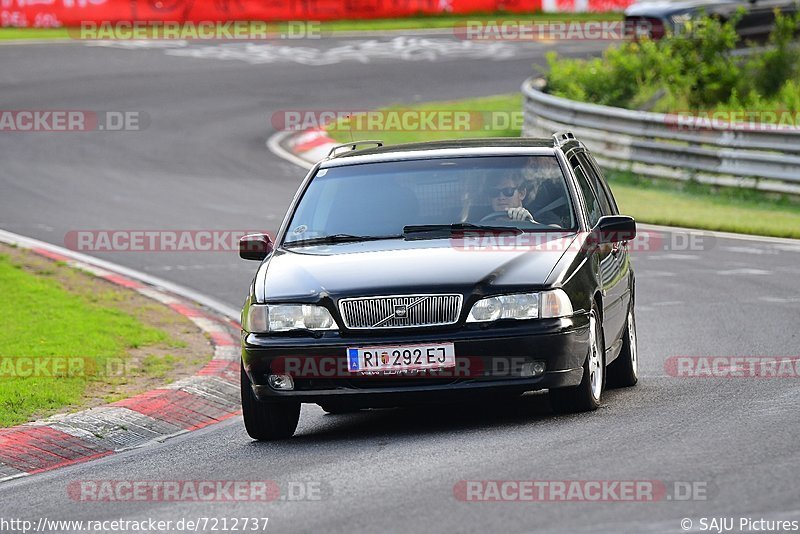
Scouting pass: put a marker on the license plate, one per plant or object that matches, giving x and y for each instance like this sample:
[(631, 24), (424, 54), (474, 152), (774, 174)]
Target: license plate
[(401, 358)]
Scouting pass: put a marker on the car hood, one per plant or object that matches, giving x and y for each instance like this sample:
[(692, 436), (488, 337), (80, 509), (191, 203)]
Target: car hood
[(402, 267)]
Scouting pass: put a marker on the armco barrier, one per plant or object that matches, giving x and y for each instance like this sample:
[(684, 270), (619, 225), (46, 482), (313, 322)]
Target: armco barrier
[(654, 144)]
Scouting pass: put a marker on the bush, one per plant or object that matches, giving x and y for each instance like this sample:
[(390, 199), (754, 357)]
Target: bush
[(775, 67), (694, 70)]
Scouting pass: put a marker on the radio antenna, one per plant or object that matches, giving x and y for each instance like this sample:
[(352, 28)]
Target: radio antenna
[(350, 124)]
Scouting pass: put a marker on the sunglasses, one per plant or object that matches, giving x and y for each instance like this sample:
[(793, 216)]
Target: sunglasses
[(505, 191)]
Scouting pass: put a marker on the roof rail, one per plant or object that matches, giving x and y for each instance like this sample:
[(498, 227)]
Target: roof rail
[(352, 145), (564, 136)]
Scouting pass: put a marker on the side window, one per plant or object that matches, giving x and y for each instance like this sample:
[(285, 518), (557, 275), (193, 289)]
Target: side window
[(593, 209), (600, 185), (594, 179)]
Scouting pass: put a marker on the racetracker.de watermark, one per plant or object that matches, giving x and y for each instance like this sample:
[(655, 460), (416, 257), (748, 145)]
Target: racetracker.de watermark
[(750, 120), (204, 30), (579, 490), (400, 363), (115, 491), (733, 366), (645, 241), (155, 240), (75, 120), (63, 367), (395, 120), (560, 30)]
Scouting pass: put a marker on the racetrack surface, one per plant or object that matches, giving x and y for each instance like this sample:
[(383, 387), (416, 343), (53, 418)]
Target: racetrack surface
[(201, 163)]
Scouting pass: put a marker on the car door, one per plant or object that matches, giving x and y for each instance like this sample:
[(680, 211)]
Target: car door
[(612, 264), (621, 288)]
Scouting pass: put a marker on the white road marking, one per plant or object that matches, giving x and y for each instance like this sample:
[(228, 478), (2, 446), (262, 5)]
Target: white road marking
[(751, 250), (194, 267), (744, 271), (655, 274), (403, 48), (679, 257), (364, 52), (136, 44), (781, 300)]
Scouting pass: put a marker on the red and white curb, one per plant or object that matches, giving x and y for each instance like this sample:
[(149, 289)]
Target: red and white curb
[(301, 148), (210, 396)]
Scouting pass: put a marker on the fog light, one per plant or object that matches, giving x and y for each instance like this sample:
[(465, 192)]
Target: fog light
[(532, 369), (283, 382)]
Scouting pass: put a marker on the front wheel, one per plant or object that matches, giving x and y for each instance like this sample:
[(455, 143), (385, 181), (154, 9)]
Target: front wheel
[(585, 396), (624, 371), (267, 421)]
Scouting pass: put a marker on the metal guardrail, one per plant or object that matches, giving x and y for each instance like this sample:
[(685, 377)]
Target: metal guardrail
[(670, 146)]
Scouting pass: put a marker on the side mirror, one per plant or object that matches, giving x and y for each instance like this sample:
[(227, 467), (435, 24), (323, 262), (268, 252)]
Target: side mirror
[(615, 228), (255, 247)]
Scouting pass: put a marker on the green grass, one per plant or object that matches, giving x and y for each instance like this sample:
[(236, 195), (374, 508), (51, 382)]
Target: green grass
[(695, 205), (442, 21), (158, 367), (652, 201), (14, 34), (448, 20), (492, 116), (42, 320)]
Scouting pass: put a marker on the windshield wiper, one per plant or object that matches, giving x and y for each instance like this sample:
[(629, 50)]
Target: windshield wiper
[(457, 227), (337, 238)]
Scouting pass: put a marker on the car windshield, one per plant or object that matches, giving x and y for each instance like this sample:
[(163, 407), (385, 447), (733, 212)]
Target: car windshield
[(398, 198)]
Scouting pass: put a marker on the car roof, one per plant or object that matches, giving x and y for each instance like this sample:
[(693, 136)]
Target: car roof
[(446, 148), (455, 143)]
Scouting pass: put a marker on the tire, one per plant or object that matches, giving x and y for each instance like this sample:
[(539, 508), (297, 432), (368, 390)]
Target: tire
[(267, 421), (624, 371), (338, 407), (585, 396)]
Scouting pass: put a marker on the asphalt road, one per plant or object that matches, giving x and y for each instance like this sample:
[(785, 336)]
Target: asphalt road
[(201, 164)]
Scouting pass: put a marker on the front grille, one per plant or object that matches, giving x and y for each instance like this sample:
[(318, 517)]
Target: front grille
[(387, 312)]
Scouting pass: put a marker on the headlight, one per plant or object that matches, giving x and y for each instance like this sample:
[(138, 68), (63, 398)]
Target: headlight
[(263, 318), (547, 304)]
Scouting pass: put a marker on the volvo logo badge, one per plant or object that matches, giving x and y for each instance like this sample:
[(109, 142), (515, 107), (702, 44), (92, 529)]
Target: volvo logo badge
[(401, 313)]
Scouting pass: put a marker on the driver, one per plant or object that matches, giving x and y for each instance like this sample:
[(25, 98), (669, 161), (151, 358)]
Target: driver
[(507, 196)]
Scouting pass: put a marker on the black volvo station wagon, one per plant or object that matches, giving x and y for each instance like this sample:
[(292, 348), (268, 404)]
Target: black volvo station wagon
[(440, 271)]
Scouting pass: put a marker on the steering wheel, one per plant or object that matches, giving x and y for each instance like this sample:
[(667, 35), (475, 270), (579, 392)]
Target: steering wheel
[(494, 215)]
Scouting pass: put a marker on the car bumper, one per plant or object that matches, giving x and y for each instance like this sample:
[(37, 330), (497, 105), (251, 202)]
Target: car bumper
[(488, 359)]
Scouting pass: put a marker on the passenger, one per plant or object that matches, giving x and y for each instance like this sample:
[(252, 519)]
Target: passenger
[(547, 196)]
